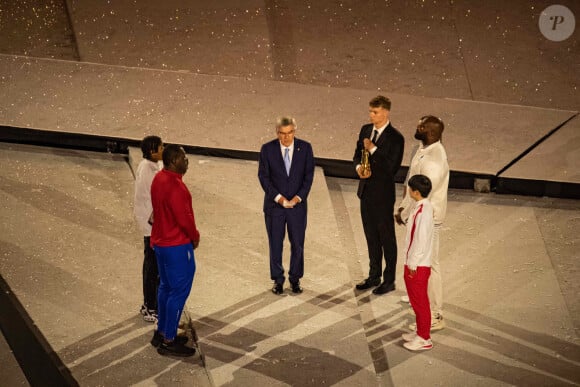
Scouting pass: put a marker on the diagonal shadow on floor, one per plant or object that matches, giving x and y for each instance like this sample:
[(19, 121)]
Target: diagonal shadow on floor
[(260, 344), (122, 353), (500, 351)]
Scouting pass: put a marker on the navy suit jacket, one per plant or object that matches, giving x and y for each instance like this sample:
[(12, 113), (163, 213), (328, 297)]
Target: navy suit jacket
[(273, 177)]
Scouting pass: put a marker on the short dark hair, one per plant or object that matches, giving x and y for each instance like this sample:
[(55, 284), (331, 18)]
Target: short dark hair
[(420, 183), (380, 101), (434, 121), (170, 153), (150, 144)]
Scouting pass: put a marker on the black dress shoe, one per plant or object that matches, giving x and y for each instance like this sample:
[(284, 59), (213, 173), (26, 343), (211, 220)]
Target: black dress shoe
[(277, 289), (384, 288), (296, 288), (175, 349), (367, 284), (158, 339)]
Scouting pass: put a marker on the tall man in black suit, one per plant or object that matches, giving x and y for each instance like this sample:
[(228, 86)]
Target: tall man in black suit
[(376, 192), (286, 171)]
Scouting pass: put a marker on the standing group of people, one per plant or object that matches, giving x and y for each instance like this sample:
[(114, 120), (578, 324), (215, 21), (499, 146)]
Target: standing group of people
[(286, 169), (422, 210), (163, 210)]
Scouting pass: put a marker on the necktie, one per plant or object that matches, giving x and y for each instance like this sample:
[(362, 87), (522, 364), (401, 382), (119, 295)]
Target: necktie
[(375, 135), (287, 160)]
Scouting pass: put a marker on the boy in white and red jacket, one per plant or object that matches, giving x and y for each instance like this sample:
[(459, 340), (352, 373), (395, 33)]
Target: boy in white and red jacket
[(418, 262)]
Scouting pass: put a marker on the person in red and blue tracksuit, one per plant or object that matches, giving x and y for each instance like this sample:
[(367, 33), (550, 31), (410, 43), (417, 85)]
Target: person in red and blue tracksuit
[(174, 236)]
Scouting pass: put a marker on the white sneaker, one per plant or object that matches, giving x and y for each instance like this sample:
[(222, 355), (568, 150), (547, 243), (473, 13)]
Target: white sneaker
[(437, 323), (149, 315), (418, 344), (405, 298), (409, 336)]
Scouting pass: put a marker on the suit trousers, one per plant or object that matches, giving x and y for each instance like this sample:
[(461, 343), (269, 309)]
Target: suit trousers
[(379, 229), (417, 291), (176, 271), (277, 221), (150, 275)]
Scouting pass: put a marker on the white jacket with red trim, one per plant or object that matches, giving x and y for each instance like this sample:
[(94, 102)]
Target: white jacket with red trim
[(418, 245)]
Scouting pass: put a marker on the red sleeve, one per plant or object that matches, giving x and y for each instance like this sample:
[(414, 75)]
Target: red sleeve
[(180, 205)]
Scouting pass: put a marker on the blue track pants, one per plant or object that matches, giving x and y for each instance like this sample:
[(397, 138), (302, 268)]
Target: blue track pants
[(176, 269)]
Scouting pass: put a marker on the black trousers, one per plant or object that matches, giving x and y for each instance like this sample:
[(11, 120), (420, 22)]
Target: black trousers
[(379, 228), (150, 276)]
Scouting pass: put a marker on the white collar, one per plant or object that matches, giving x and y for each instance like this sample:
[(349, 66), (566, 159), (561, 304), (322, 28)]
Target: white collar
[(426, 147), (291, 147), (382, 128)]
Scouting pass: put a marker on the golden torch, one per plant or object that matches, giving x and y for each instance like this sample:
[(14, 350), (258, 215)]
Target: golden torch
[(365, 163)]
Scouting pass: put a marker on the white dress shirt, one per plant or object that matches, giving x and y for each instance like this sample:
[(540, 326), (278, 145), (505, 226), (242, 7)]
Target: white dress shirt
[(430, 161), (379, 132), (290, 154), (142, 205)]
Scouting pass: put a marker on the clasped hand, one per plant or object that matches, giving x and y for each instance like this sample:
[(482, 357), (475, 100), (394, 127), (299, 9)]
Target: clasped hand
[(288, 203)]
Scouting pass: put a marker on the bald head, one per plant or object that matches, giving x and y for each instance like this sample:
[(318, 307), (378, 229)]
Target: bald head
[(429, 130), (434, 125)]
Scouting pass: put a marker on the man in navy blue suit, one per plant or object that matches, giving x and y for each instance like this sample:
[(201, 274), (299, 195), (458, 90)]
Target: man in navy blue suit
[(286, 171)]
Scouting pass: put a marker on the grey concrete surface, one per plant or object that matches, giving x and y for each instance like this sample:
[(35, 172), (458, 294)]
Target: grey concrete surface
[(490, 51), (217, 75), (501, 293), (10, 372), (187, 71), (72, 255), (38, 29), (563, 150), (189, 108)]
